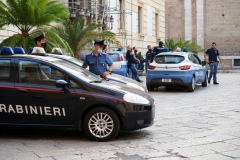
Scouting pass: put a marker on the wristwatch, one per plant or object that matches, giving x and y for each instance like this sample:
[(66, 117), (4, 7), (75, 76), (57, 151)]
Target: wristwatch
[(109, 71)]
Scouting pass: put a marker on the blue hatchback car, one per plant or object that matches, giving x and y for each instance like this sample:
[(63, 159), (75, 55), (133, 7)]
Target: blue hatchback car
[(176, 69), (119, 62)]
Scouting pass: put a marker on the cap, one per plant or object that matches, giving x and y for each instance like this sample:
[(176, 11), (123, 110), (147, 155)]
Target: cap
[(39, 38), (99, 42), (178, 49), (38, 50)]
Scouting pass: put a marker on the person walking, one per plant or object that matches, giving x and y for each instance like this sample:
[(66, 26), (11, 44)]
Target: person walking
[(98, 61), (213, 54), (132, 61)]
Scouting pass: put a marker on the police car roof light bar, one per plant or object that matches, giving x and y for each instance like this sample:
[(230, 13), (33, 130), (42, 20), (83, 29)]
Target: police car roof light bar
[(18, 50), (6, 50)]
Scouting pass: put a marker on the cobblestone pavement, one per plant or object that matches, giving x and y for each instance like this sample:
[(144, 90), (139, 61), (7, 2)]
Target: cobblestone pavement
[(203, 125)]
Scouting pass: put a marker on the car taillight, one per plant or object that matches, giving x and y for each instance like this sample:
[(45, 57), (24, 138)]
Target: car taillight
[(120, 57), (151, 67), (184, 67)]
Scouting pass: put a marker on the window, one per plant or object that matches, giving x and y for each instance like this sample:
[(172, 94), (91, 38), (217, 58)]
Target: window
[(236, 63), (140, 20), (5, 70), (169, 59), (156, 25), (38, 73), (193, 59)]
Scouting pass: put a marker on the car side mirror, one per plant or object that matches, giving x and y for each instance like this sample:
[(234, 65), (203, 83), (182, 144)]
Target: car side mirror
[(62, 84), (204, 63)]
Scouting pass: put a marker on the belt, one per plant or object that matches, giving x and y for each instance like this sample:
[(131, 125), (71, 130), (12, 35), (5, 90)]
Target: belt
[(213, 61)]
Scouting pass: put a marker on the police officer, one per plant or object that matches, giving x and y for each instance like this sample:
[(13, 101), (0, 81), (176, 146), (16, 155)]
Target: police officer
[(40, 41), (98, 61), (132, 60), (158, 49), (213, 54)]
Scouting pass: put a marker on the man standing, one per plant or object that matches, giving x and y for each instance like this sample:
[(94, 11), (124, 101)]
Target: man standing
[(159, 49), (213, 54), (40, 41), (149, 56), (132, 60), (98, 61)]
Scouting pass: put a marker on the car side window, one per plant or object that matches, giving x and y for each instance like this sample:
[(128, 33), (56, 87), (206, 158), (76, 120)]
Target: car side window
[(5, 70), (197, 58), (38, 73), (193, 59)]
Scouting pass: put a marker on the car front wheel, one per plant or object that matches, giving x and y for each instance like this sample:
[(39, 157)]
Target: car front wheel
[(101, 124), (191, 85), (204, 84)]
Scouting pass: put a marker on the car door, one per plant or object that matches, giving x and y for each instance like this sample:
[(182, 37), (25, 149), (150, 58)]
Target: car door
[(198, 68), (7, 97), (38, 100)]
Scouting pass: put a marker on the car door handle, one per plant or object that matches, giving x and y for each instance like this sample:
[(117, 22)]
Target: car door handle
[(22, 90), (37, 97)]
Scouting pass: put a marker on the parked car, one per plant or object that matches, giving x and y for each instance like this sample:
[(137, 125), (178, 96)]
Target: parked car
[(67, 96), (112, 77), (119, 62), (176, 69)]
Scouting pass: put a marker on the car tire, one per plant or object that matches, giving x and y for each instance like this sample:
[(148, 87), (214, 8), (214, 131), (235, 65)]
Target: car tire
[(101, 124), (150, 87), (191, 85), (204, 84)]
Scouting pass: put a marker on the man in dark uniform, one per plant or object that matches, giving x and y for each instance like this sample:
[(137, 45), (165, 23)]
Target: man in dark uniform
[(213, 54), (157, 50), (98, 61), (149, 56), (132, 60), (40, 41)]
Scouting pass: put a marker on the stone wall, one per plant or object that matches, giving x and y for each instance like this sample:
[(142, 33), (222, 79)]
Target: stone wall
[(174, 12), (219, 23), (222, 25)]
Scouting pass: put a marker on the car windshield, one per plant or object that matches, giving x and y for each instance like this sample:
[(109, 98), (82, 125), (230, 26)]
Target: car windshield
[(77, 61), (78, 71), (166, 59)]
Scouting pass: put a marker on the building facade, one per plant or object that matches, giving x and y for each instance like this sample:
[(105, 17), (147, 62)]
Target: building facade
[(204, 22), (135, 22)]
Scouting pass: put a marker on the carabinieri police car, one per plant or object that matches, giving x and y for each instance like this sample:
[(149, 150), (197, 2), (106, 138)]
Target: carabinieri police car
[(45, 92)]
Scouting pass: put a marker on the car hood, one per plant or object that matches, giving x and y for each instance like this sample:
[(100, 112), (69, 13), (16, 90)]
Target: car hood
[(127, 81), (121, 88)]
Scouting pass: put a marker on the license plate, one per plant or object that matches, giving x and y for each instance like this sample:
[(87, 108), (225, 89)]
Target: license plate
[(166, 80)]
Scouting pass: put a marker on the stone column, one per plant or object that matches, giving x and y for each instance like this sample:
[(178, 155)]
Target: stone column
[(188, 19), (200, 22)]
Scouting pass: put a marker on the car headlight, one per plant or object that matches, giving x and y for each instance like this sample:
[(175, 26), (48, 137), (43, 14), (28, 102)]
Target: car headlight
[(136, 86), (134, 98)]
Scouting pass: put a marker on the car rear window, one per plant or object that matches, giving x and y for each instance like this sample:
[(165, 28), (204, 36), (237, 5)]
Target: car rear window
[(113, 57), (166, 59)]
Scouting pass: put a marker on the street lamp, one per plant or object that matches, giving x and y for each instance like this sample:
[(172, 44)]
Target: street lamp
[(100, 12), (81, 12)]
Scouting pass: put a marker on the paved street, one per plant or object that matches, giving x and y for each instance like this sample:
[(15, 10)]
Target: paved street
[(203, 125)]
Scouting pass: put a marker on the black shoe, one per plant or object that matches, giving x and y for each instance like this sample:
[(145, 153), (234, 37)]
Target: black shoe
[(208, 81), (215, 83), (139, 81)]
